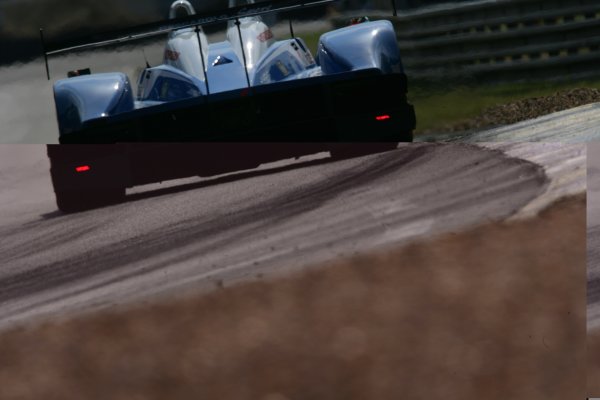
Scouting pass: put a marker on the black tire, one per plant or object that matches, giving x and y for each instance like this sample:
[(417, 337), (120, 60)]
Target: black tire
[(74, 201)]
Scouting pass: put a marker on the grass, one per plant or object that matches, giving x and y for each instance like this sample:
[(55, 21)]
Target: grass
[(438, 107)]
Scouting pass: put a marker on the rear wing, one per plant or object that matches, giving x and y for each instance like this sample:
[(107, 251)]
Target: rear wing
[(158, 28)]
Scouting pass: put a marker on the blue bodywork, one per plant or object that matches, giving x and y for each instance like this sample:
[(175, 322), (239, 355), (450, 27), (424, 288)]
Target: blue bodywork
[(88, 97), (366, 46), (362, 46), (224, 70)]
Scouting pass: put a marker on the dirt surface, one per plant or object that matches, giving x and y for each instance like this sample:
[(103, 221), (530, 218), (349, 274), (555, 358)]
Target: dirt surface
[(593, 270), (494, 313), (506, 114), (593, 372)]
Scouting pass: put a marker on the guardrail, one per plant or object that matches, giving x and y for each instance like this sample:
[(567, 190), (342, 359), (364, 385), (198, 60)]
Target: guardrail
[(502, 40)]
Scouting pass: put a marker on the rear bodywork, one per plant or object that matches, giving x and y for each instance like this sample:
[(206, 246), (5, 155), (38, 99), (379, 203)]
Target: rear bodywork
[(363, 105), (249, 87)]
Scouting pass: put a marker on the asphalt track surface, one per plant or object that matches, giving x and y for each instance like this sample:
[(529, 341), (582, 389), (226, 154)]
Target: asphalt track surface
[(197, 234)]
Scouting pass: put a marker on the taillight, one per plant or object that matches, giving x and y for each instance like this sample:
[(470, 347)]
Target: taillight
[(82, 168), (382, 117)]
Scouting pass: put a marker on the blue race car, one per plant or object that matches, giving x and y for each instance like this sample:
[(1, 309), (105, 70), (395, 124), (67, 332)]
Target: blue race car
[(249, 87), (227, 106)]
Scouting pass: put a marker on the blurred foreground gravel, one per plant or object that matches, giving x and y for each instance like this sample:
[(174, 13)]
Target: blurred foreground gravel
[(497, 312)]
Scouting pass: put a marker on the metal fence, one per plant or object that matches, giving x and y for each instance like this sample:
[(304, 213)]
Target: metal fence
[(502, 40)]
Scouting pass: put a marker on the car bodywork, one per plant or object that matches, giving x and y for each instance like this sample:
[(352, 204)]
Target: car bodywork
[(248, 88)]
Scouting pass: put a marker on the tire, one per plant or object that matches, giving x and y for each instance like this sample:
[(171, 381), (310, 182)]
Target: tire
[(74, 201)]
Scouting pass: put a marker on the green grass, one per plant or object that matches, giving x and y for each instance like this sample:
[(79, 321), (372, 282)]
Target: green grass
[(438, 107)]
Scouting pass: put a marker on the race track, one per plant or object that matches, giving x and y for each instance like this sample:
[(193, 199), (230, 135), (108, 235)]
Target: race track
[(204, 233)]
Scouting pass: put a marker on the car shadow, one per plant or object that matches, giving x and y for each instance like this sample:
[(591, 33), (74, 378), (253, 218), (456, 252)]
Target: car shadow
[(230, 177), (206, 182)]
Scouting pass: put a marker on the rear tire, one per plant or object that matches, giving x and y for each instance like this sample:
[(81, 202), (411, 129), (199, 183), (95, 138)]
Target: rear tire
[(74, 201)]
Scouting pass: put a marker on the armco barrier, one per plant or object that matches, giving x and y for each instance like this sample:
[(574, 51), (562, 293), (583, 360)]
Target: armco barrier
[(502, 40)]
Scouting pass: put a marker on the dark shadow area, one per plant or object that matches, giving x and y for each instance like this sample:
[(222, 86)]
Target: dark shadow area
[(52, 215), (236, 176), (218, 180)]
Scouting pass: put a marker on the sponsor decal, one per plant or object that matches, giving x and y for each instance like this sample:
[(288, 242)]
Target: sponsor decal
[(171, 55), (266, 35)]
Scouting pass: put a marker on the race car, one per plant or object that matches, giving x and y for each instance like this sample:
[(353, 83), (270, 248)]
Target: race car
[(222, 97), (249, 87)]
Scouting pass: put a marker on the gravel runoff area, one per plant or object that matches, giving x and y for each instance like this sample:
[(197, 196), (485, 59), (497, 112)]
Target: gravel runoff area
[(494, 313), (522, 110)]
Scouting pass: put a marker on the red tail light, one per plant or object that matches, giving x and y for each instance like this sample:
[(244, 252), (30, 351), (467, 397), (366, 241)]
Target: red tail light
[(382, 117), (82, 168)]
